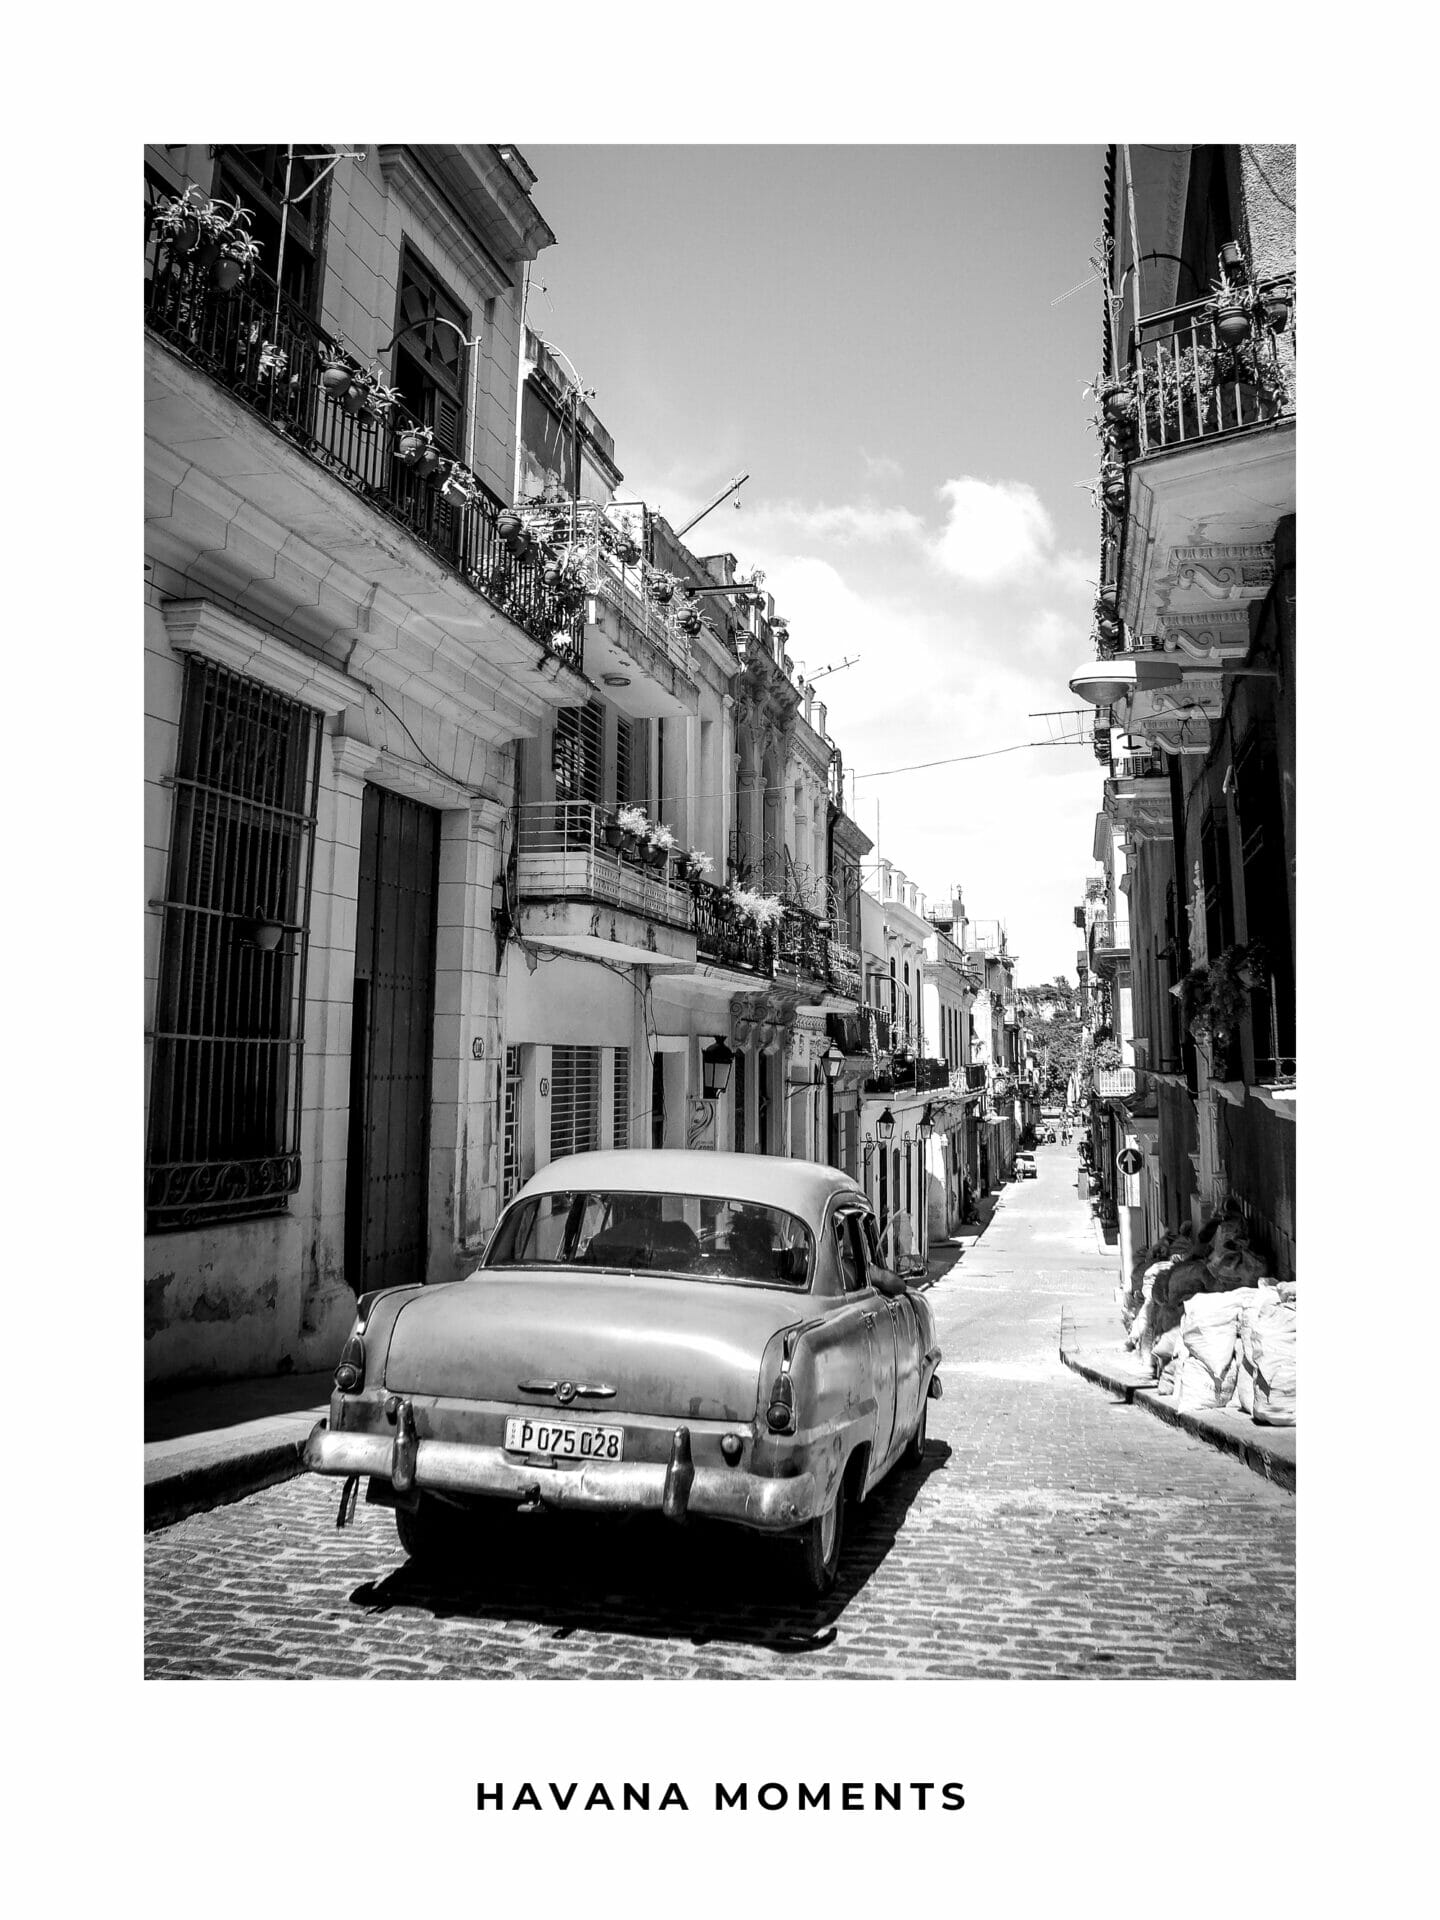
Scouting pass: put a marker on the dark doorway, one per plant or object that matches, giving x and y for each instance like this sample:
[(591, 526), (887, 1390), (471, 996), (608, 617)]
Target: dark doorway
[(387, 1179)]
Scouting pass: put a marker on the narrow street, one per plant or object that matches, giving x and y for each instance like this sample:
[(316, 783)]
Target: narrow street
[(1053, 1532)]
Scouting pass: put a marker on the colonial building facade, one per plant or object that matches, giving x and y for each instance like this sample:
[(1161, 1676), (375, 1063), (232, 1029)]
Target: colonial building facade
[(1194, 686)]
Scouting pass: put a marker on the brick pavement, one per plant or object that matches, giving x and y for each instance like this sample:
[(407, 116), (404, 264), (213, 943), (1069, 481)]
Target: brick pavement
[(1053, 1531)]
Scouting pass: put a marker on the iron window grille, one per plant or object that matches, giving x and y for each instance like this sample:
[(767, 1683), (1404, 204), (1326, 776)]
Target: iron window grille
[(224, 1133), (510, 1170), (621, 1113), (574, 1100)]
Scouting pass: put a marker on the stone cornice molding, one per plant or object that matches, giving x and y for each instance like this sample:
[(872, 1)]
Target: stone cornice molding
[(406, 177), (198, 626), (353, 759)]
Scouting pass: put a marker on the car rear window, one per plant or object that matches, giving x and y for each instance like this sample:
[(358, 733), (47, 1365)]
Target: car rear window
[(703, 1236)]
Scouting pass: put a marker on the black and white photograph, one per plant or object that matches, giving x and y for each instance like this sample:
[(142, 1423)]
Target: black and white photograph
[(719, 946)]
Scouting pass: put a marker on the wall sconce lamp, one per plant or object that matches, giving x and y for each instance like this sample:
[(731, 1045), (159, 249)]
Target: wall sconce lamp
[(885, 1127), (926, 1128), (832, 1060), (716, 1061)]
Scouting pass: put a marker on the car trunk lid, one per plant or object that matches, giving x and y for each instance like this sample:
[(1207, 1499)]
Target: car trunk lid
[(672, 1348)]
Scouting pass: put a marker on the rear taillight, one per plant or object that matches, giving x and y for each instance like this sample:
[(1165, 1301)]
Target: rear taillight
[(780, 1414), (350, 1374)]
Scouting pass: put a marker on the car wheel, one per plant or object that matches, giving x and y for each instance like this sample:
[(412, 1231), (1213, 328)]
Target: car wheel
[(427, 1532), (915, 1451), (820, 1543)]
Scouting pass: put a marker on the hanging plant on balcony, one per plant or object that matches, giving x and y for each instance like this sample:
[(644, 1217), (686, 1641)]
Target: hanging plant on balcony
[(460, 487), (662, 588), (611, 832), (689, 623), (695, 865), (238, 255), (415, 445), (272, 362), (337, 372), (193, 223), (762, 910), (1231, 304), (634, 824), (659, 843), (1115, 393)]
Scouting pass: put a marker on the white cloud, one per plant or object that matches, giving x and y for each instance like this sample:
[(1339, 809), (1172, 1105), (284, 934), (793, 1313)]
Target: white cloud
[(995, 530), (861, 521)]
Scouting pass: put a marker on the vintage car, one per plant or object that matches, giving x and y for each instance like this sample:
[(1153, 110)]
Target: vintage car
[(679, 1332), (1025, 1166)]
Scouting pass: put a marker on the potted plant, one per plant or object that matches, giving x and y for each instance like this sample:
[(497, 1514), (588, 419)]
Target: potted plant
[(272, 362), (695, 865), (1274, 307), (414, 443), (238, 254), (336, 372), (193, 223), (611, 832), (1231, 307), (658, 844), (508, 524), (762, 910), (460, 487), (689, 623), (662, 589), (634, 827)]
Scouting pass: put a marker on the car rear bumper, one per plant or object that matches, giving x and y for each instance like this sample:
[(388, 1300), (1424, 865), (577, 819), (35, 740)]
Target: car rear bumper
[(675, 1488)]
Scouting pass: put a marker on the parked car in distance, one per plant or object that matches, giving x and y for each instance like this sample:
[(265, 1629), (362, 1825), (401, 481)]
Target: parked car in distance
[(675, 1332), (1024, 1166)]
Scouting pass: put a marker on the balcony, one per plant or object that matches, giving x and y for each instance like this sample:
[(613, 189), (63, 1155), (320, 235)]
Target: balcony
[(1109, 941), (633, 640), (270, 357), (580, 896), (804, 947), (1210, 470), (724, 938), (845, 969)]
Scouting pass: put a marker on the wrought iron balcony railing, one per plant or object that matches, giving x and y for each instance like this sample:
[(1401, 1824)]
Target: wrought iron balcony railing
[(1190, 385), (562, 854), (726, 938), (1110, 936), (804, 943), (271, 356)]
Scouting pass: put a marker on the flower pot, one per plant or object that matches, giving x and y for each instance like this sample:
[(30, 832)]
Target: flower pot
[(553, 575), (1120, 405), (655, 856), (631, 846), (337, 381), (1113, 499), (207, 252), (1276, 309), (661, 592), (1232, 258), (627, 553), (227, 275), (611, 833), (507, 525), (355, 399), (428, 464), (409, 448), (1232, 325)]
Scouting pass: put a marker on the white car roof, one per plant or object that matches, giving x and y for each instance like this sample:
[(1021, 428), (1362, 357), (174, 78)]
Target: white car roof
[(800, 1186)]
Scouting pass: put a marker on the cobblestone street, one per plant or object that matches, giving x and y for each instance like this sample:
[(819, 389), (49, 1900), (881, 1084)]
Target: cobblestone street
[(1053, 1531)]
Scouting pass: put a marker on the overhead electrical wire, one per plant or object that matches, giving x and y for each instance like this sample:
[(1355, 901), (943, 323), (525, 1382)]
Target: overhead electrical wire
[(993, 753)]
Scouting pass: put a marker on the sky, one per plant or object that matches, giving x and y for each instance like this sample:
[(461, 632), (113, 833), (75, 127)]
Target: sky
[(877, 335)]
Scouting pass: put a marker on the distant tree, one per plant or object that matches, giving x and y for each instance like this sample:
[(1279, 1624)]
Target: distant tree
[(1062, 1036)]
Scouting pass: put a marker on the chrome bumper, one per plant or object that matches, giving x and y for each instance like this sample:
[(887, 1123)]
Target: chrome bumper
[(675, 1489)]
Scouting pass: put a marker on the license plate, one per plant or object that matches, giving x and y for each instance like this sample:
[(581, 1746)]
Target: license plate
[(564, 1440)]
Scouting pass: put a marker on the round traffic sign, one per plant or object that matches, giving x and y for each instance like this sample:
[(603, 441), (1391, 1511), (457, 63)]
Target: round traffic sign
[(1129, 1160)]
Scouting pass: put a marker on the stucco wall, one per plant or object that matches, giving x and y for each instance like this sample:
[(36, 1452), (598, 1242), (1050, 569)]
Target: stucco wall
[(1267, 184)]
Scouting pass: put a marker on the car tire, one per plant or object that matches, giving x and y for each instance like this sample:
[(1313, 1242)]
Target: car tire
[(914, 1454), (427, 1532), (820, 1542)]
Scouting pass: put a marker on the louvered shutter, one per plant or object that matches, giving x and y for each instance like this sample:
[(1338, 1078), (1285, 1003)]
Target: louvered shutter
[(574, 1100), (1267, 893), (621, 1126)]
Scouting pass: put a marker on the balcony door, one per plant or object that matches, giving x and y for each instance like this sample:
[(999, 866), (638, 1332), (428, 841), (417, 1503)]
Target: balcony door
[(387, 1172), (430, 369)]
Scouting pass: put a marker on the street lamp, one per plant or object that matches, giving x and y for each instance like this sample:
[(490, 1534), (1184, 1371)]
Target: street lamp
[(716, 1061), (831, 1060), (885, 1127)]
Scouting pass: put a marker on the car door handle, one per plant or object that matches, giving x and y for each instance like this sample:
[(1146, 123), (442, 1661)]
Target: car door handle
[(868, 1318)]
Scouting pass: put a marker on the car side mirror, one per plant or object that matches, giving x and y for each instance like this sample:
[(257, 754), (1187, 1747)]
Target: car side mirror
[(892, 1285)]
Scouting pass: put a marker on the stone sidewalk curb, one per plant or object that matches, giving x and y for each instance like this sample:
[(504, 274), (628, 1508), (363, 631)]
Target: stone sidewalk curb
[(184, 1478), (1269, 1452)]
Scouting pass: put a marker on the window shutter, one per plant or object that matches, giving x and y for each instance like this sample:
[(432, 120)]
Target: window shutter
[(621, 1126), (574, 1100), (622, 763), (446, 423)]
